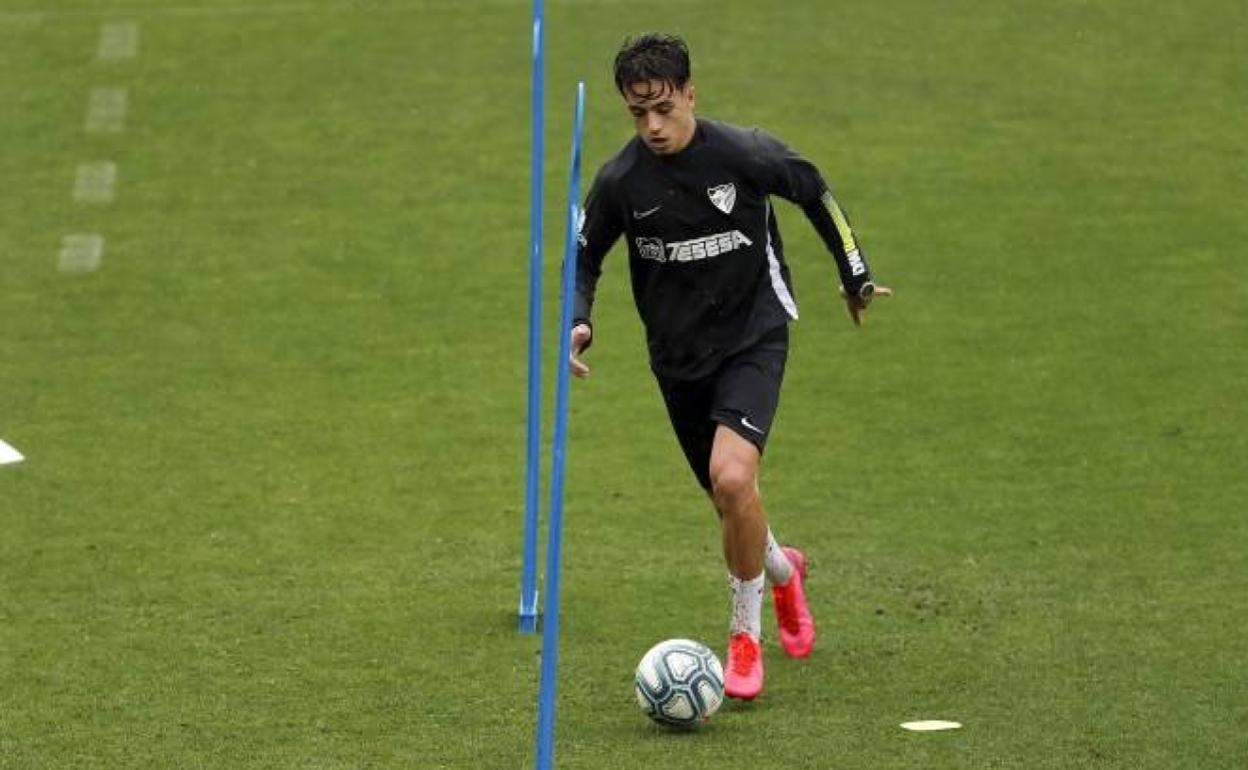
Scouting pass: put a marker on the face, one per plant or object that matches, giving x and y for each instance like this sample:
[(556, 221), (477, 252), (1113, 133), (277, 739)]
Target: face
[(662, 115)]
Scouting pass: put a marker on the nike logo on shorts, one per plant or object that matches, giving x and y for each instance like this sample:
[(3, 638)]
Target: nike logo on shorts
[(646, 213), (746, 422)]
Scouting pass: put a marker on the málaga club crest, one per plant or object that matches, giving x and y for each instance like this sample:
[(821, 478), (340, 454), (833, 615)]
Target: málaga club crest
[(724, 196)]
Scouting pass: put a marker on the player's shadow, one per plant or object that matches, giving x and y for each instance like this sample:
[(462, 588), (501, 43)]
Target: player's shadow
[(652, 731), (730, 717)]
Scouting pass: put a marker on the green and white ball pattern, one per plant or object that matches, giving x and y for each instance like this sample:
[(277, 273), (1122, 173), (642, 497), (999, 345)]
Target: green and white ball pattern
[(679, 683)]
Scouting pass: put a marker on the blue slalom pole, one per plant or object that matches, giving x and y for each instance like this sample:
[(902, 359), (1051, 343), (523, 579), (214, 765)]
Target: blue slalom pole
[(554, 541), (527, 616)]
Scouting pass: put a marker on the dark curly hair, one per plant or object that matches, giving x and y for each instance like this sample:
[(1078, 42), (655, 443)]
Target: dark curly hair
[(653, 56)]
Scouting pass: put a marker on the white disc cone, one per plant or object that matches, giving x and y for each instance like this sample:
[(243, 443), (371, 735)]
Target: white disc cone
[(9, 455), (930, 725)]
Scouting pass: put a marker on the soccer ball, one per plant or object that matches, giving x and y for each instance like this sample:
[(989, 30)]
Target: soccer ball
[(679, 683)]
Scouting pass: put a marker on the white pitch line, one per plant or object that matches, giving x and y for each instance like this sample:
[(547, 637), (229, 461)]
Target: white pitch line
[(106, 110), (32, 18), (255, 9), (95, 182), (118, 40), (9, 455), (81, 253), (363, 7)]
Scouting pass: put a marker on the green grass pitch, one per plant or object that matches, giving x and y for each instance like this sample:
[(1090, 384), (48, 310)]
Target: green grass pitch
[(271, 511)]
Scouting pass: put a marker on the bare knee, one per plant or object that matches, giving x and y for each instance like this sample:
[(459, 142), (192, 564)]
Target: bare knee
[(733, 487)]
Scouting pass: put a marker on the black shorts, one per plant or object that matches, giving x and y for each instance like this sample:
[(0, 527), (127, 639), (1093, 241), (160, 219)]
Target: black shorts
[(742, 395)]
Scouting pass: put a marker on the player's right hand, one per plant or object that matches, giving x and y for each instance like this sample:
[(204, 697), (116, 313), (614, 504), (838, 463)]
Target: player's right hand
[(581, 334)]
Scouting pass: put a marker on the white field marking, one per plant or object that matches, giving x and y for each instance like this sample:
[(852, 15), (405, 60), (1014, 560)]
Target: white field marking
[(118, 40), (258, 9), (23, 17), (9, 455), (81, 253), (930, 725), (341, 6), (106, 111), (94, 182)]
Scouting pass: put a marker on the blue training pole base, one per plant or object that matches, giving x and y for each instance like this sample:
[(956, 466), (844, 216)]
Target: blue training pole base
[(528, 624), (528, 619)]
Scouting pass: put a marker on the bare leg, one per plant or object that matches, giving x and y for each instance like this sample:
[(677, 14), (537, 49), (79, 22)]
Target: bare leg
[(734, 491)]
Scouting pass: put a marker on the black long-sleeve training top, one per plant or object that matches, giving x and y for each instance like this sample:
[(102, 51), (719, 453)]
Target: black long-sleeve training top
[(707, 263)]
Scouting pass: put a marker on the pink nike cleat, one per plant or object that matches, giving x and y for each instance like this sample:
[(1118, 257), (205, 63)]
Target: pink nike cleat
[(797, 626), (743, 676)]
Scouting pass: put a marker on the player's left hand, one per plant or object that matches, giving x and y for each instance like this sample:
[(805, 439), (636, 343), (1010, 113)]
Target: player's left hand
[(857, 305)]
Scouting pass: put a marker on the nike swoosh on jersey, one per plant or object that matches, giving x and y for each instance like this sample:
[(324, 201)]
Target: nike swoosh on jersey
[(646, 213)]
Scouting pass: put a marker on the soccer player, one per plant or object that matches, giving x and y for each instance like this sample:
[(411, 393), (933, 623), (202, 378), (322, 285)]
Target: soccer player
[(692, 198)]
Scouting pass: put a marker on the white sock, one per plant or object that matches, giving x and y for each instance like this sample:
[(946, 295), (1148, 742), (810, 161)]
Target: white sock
[(777, 566), (747, 605)]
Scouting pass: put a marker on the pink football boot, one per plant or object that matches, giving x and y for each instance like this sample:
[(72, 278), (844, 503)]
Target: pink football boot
[(797, 626)]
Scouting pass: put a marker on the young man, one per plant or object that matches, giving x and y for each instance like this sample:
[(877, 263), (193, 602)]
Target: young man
[(692, 197)]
